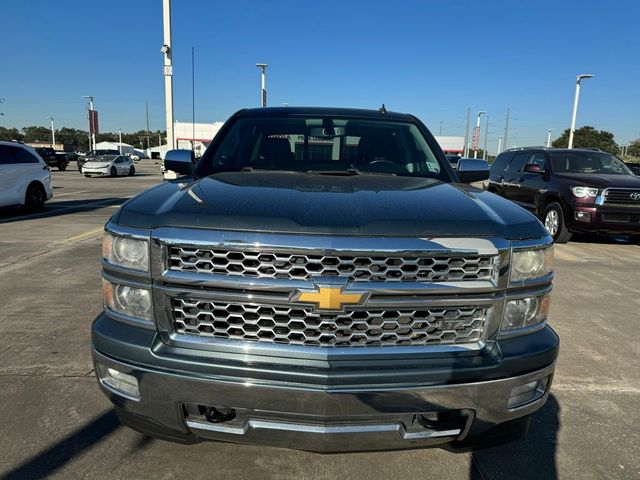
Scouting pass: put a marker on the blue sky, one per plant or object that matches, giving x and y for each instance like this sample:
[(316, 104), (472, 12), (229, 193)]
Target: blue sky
[(430, 58)]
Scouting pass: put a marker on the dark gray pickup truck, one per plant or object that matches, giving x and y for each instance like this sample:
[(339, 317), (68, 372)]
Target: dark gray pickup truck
[(322, 279)]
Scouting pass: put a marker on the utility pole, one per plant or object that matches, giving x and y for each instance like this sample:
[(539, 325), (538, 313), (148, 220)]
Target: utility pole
[(440, 129), (53, 134), (505, 142), (486, 135), (263, 94), (466, 134), (168, 72)]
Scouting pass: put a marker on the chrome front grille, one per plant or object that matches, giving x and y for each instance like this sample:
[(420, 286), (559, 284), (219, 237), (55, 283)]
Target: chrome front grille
[(360, 267), (622, 196), (355, 327)]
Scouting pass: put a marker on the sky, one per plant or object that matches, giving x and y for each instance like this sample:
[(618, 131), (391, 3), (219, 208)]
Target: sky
[(431, 58)]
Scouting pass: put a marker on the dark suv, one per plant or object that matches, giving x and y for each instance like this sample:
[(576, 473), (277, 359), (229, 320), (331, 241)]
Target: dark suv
[(577, 190)]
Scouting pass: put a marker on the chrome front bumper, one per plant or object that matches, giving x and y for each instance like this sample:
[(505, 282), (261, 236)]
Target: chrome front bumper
[(319, 419)]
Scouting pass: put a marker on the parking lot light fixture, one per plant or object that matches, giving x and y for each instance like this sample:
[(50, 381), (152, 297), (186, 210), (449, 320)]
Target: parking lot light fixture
[(572, 130), (475, 150), (263, 91), (549, 137), (53, 134)]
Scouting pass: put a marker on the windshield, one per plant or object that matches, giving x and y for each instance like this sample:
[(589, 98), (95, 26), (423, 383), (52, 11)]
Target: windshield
[(587, 162), (325, 145)]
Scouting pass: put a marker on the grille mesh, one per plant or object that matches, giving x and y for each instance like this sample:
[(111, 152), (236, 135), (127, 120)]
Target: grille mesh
[(354, 267), (623, 196), (353, 328)]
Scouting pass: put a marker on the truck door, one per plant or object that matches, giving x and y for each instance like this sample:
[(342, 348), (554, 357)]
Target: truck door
[(512, 177)]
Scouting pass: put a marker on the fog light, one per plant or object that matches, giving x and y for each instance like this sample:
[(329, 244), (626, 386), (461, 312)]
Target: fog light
[(527, 393), (582, 216), (119, 382)]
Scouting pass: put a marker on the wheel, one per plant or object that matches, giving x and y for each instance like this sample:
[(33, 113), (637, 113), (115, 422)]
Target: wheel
[(553, 219), (35, 198), (87, 175), (132, 171), (62, 167), (113, 172), (635, 239)]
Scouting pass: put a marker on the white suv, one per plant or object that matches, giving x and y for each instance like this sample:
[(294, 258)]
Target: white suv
[(24, 177)]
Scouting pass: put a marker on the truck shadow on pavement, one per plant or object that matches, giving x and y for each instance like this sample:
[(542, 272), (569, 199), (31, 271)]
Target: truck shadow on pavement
[(8, 215), (531, 457), (46, 463)]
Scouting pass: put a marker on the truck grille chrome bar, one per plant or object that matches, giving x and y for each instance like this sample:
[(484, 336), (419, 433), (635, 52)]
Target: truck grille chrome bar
[(355, 327), (357, 267)]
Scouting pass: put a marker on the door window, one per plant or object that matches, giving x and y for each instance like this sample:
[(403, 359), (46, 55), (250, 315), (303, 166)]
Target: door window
[(517, 162), (22, 155), (538, 159)]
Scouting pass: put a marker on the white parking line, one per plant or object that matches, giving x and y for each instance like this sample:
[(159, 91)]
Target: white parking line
[(56, 195)]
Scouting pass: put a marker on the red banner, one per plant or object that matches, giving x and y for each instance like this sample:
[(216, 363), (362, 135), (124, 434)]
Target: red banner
[(93, 121)]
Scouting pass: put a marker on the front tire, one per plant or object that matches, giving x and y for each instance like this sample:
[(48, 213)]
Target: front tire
[(132, 171), (553, 219), (35, 198), (113, 172), (62, 167)]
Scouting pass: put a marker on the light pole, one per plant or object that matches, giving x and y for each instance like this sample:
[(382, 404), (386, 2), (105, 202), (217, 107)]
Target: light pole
[(53, 134), (167, 51), (575, 106), (263, 94), (465, 152), (485, 155), (476, 136), (120, 141), (92, 135), (549, 137), (499, 144)]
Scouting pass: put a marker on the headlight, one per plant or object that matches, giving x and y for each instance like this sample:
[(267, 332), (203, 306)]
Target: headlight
[(531, 264), (584, 192), (525, 312), (130, 301), (126, 252)]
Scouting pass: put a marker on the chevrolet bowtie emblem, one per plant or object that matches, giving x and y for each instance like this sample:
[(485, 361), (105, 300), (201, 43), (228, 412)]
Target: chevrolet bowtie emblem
[(329, 298)]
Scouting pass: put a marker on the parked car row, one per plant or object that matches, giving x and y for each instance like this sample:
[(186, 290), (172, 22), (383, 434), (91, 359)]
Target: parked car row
[(577, 190)]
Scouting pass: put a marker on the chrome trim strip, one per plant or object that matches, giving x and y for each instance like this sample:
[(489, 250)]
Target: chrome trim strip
[(138, 233), (321, 429), (327, 244)]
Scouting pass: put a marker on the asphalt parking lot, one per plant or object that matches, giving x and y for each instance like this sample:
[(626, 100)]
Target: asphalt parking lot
[(55, 423)]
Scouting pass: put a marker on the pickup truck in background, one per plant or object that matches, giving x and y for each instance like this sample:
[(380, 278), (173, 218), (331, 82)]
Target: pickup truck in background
[(54, 158), (322, 279)]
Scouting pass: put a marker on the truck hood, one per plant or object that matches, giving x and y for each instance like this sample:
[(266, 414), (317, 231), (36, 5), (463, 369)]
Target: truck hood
[(288, 202), (601, 180)]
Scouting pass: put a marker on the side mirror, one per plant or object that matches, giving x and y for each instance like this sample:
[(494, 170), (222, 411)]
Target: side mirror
[(179, 161), (472, 170), (533, 168)]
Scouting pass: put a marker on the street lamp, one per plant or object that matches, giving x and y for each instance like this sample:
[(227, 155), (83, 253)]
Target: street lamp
[(263, 94), (549, 137), (92, 135), (53, 134), (476, 140), (575, 106)]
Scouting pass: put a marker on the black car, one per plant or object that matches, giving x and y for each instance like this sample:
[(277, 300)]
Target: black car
[(577, 190), (53, 158)]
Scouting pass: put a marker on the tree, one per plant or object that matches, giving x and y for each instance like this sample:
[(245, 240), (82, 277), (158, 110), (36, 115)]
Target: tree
[(8, 134), (588, 137), (633, 149), (36, 134)]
